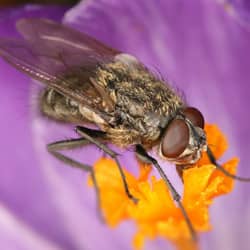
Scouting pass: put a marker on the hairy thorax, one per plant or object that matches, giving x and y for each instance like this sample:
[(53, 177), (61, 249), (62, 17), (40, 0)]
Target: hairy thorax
[(130, 104)]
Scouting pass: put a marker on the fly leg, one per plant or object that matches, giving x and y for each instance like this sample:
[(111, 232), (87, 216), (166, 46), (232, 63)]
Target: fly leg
[(143, 156), (54, 147), (83, 132), (224, 171)]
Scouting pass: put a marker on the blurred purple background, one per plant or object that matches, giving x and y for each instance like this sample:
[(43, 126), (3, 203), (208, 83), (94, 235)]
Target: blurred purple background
[(200, 47)]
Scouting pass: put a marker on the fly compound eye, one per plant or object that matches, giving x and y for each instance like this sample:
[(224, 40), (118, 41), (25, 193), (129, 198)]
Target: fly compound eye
[(195, 116), (176, 139)]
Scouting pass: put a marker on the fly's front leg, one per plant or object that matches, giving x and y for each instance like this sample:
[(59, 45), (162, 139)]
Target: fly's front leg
[(83, 132), (224, 171), (143, 156), (53, 148)]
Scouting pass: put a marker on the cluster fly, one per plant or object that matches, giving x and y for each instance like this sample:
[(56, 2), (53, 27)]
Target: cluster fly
[(87, 82)]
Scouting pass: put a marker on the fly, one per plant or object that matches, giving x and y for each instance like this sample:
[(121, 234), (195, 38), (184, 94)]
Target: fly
[(88, 82)]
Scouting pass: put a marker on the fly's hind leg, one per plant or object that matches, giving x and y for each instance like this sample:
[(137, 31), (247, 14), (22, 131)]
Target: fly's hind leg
[(55, 147), (84, 133)]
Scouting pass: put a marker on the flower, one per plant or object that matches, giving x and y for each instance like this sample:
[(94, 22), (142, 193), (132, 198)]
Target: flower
[(156, 213), (198, 46)]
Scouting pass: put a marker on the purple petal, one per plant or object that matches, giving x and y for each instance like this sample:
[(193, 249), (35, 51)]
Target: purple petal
[(204, 51), (23, 188), (16, 234), (53, 200), (238, 9), (197, 45)]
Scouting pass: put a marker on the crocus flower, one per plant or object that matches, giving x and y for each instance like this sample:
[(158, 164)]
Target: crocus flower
[(156, 214), (201, 47)]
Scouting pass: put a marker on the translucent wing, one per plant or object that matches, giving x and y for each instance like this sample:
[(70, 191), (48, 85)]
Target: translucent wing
[(55, 34), (60, 57)]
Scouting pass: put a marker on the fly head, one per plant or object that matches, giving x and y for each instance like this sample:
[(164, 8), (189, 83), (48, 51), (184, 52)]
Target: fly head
[(184, 138)]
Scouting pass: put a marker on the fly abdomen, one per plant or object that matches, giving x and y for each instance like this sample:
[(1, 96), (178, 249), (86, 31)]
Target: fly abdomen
[(58, 107)]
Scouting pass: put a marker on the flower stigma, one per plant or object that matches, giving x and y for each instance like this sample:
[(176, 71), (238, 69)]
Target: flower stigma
[(156, 214)]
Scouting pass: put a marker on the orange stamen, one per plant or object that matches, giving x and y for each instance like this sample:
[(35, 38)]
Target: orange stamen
[(156, 214)]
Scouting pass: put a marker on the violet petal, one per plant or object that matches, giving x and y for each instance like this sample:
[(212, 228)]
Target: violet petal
[(23, 189), (199, 47)]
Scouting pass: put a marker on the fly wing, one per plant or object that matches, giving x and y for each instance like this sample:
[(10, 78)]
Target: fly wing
[(55, 34), (60, 57)]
